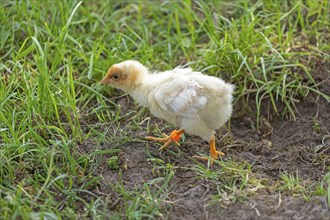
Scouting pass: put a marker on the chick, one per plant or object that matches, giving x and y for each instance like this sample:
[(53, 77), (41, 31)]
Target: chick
[(197, 103)]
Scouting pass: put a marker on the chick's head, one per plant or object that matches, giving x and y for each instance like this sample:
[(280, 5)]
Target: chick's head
[(125, 75)]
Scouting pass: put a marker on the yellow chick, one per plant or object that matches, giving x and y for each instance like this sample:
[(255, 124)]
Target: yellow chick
[(197, 103)]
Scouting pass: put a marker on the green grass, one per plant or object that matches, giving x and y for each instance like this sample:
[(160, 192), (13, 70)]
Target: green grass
[(53, 53)]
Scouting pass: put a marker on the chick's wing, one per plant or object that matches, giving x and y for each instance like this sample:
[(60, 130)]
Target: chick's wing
[(181, 96)]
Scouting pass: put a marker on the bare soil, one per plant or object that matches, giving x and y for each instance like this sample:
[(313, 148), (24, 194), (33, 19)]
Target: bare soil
[(299, 147)]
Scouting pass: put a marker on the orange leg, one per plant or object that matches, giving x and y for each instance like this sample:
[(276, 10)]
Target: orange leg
[(213, 151), (168, 139)]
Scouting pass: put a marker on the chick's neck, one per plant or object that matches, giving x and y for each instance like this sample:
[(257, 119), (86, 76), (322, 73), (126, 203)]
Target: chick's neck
[(141, 90)]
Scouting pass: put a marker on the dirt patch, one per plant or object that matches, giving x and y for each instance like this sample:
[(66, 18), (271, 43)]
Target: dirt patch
[(301, 146), (274, 207)]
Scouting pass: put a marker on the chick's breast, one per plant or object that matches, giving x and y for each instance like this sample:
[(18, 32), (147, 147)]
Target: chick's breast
[(197, 103)]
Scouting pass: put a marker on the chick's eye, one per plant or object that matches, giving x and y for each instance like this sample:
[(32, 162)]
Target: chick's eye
[(115, 76)]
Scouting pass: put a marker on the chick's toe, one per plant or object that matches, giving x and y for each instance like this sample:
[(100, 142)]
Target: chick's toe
[(168, 139)]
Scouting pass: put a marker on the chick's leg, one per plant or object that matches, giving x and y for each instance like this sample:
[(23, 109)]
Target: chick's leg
[(213, 151), (168, 139)]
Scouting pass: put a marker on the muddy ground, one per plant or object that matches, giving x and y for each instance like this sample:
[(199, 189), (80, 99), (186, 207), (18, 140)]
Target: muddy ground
[(282, 145)]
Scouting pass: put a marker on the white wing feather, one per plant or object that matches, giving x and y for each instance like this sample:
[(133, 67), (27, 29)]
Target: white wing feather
[(182, 96)]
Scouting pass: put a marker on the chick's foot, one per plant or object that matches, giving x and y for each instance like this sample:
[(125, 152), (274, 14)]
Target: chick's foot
[(216, 154), (213, 152), (168, 139)]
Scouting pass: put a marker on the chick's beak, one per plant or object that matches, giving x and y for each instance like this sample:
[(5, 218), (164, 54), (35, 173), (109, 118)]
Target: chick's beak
[(104, 81)]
